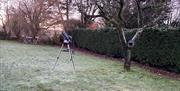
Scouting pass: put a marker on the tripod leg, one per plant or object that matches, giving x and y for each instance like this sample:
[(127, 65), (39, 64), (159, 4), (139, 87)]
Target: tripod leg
[(58, 57), (71, 58), (72, 61)]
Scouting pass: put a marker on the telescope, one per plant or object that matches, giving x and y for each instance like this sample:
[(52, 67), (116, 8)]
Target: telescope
[(66, 38)]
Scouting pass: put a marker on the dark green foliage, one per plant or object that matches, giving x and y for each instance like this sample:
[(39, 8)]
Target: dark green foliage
[(159, 48), (103, 41), (156, 47), (2, 35)]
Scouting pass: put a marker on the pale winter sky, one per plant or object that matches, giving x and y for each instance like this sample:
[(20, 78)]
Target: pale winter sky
[(76, 15), (4, 3), (176, 8)]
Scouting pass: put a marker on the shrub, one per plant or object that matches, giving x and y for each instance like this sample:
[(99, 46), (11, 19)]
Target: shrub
[(56, 38), (156, 47), (159, 48), (2, 35), (103, 41)]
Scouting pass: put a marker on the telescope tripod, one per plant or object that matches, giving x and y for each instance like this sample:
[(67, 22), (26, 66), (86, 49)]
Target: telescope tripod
[(70, 54)]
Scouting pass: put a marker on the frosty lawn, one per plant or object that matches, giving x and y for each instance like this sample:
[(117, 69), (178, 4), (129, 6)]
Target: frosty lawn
[(28, 68)]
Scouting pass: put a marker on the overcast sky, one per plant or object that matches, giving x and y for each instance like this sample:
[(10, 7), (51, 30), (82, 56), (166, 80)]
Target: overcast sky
[(176, 8), (76, 15)]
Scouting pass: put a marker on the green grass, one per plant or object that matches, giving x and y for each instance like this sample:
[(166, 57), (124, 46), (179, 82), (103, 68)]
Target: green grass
[(29, 68)]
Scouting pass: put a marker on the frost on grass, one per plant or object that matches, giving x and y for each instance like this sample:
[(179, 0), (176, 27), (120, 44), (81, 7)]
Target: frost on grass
[(29, 68)]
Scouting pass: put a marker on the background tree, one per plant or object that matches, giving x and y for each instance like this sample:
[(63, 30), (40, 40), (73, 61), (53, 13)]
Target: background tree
[(131, 16), (174, 20), (88, 10), (34, 16)]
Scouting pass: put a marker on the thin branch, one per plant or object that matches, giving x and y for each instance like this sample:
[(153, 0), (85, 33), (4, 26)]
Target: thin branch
[(140, 30)]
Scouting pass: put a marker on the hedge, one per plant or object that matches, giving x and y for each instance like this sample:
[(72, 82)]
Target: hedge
[(159, 48), (156, 47), (102, 41), (2, 35)]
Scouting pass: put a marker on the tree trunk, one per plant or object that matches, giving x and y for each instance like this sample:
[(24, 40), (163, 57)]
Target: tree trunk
[(127, 63), (127, 50)]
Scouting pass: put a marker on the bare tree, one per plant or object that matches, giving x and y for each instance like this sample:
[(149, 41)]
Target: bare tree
[(147, 13), (88, 9), (33, 12), (34, 16)]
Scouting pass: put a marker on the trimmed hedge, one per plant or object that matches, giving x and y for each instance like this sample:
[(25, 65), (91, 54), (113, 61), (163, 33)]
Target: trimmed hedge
[(156, 47), (102, 41), (159, 48)]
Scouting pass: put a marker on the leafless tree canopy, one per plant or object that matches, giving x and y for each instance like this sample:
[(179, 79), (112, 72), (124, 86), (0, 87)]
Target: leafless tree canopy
[(31, 17), (129, 15)]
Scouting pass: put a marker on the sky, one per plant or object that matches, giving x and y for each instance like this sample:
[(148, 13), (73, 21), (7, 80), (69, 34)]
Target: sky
[(76, 15), (176, 8)]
